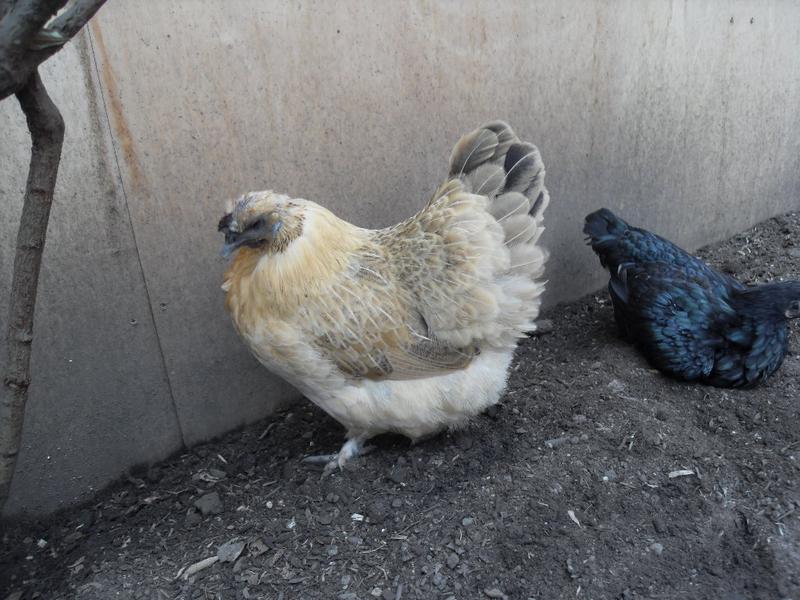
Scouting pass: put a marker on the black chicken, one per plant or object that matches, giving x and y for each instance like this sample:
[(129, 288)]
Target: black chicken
[(689, 320)]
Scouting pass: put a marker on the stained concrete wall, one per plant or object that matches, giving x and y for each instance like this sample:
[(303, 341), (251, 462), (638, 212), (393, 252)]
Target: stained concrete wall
[(682, 115)]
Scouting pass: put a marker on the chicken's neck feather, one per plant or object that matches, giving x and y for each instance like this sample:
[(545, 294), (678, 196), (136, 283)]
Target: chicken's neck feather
[(277, 283)]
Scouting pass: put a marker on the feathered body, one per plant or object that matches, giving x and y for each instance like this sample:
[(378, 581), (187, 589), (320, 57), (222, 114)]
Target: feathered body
[(408, 329), (689, 320)]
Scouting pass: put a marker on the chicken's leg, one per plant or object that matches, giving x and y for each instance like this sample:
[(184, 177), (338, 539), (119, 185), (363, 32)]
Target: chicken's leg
[(351, 448)]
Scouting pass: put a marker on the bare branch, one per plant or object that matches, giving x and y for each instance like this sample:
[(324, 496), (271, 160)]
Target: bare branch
[(25, 18), (75, 17), (21, 51), (47, 136)]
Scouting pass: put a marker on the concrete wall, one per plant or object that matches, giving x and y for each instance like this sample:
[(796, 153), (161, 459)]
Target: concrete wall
[(682, 115)]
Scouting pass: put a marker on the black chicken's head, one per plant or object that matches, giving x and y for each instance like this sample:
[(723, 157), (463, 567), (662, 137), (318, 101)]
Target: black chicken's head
[(786, 298), (793, 310), (774, 301), (783, 298)]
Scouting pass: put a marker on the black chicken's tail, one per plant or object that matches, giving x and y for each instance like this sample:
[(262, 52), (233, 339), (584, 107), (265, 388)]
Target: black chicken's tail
[(603, 231)]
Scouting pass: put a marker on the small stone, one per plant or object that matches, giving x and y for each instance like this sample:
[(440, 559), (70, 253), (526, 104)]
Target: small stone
[(376, 512), (610, 475), (493, 411), (571, 569), (596, 366), (495, 593), (467, 521), (192, 518), (324, 518), (376, 592), (556, 442), (209, 504), (332, 498), (397, 503), (659, 525), (579, 419), (439, 580), (657, 548), (452, 560), (543, 327), (405, 553), (217, 473), (616, 386), (257, 547), (794, 252), (230, 551), (333, 550), (397, 475)]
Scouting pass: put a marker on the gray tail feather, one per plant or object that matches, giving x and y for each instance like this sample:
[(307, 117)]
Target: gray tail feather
[(492, 161)]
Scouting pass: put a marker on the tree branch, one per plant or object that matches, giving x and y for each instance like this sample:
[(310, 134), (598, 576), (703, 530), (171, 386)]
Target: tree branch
[(70, 21), (47, 136), (21, 51)]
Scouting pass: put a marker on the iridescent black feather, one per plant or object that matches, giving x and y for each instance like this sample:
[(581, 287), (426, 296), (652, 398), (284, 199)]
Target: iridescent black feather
[(689, 320)]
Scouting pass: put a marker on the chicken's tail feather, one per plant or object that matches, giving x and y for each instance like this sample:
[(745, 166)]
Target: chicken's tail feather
[(491, 161)]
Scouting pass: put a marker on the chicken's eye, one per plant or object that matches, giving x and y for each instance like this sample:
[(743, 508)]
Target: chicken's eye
[(255, 224)]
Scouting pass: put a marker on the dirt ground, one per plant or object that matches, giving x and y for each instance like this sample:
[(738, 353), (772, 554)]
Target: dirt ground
[(595, 478)]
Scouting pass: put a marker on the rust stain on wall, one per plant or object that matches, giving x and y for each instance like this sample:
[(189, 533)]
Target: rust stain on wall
[(115, 108)]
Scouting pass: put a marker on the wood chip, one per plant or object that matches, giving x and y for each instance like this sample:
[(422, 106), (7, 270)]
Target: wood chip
[(571, 515), (197, 567), (680, 473), (266, 431)]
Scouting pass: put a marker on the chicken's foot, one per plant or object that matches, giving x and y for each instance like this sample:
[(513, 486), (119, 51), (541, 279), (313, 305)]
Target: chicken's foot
[(351, 448)]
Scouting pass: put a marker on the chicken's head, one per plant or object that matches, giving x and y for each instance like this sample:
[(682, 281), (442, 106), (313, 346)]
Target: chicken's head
[(262, 220)]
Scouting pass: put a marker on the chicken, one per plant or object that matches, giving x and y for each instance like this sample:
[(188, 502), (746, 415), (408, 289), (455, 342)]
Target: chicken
[(690, 321), (409, 329)]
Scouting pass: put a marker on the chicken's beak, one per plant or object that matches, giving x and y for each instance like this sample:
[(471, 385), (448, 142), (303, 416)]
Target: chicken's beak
[(225, 227), (254, 235), (235, 239), (227, 250)]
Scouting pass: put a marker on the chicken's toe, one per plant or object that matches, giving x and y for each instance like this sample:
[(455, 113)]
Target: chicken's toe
[(320, 459)]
